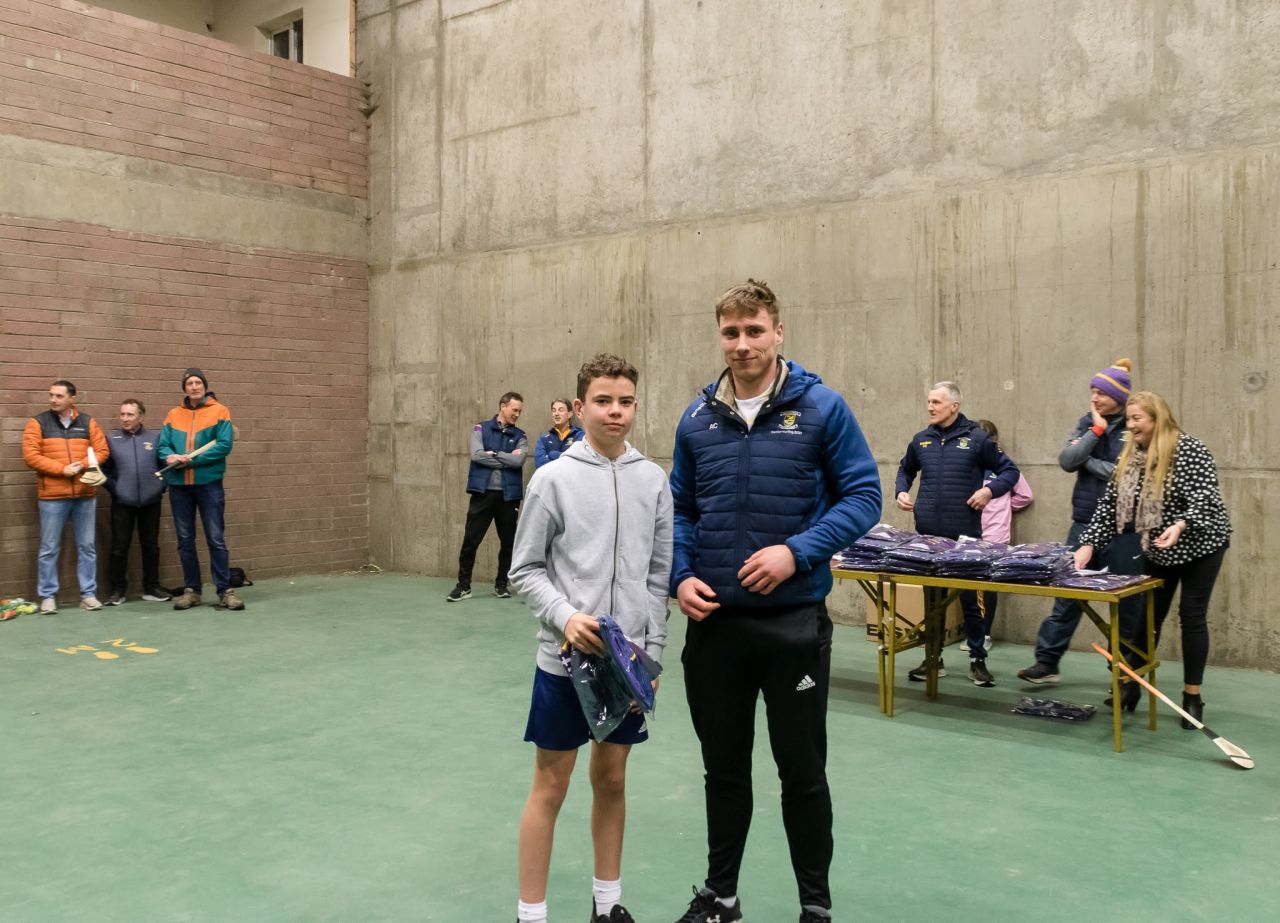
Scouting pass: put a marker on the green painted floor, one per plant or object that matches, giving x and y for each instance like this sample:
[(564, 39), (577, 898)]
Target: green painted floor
[(349, 748)]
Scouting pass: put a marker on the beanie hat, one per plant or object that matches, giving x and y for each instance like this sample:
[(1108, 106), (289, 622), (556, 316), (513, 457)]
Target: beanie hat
[(1114, 381), (196, 373)]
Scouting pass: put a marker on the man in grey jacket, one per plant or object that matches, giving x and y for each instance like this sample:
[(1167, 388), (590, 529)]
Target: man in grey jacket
[(594, 539), (136, 495)]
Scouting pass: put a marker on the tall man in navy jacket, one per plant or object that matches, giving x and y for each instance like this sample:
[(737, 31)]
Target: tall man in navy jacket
[(136, 497), (499, 450), (952, 456), (771, 476)]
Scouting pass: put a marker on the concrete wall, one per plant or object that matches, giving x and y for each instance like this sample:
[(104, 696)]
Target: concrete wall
[(168, 200), (1011, 194)]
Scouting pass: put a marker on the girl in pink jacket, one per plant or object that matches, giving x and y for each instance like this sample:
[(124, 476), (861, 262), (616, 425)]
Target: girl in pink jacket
[(997, 524)]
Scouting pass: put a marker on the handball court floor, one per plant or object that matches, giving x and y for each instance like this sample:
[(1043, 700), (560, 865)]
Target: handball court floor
[(349, 748)]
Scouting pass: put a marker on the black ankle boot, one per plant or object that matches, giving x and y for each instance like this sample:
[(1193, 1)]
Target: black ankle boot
[(1130, 695), (1193, 705)]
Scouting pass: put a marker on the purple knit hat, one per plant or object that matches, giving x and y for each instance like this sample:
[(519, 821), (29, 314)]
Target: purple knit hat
[(1114, 381)]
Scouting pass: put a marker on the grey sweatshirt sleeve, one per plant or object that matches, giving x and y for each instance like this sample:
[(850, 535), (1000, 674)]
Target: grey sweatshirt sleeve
[(511, 459), (1100, 468), (478, 453), (528, 573), (1079, 446), (655, 639)]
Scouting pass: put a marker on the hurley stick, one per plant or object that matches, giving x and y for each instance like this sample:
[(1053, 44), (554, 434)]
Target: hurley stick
[(192, 454), (1234, 753)]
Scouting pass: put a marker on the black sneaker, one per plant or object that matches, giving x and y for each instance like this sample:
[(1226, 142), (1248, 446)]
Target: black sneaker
[(457, 593), (814, 916), (502, 591), (155, 594), (921, 673), (704, 908), (1038, 674), (618, 914), (980, 675), (115, 599)]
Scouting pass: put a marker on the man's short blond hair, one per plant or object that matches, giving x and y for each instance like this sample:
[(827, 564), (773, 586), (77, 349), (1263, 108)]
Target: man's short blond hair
[(746, 300)]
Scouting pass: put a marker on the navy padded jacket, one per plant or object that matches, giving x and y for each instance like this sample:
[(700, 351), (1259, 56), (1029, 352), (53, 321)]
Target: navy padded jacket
[(802, 476), (1089, 487), (952, 463)]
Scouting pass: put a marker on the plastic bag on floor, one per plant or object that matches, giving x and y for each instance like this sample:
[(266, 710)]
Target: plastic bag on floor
[(1052, 708)]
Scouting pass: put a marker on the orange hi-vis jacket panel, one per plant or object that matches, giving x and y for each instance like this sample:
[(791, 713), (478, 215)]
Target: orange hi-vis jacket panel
[(48, 447)]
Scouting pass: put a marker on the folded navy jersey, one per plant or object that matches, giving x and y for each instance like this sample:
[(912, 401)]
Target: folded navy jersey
[(1052, 708), (1037, 563), (1098, 581), (971, 558), (919, 556), (868, 552)]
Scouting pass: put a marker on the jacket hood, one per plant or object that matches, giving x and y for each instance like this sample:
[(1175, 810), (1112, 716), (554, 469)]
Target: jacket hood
[(581, 451)]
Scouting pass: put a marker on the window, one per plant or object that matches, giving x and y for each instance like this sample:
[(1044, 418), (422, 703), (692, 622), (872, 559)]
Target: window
[(286, 40)]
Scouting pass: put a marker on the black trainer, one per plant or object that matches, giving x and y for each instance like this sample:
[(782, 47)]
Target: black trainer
[(618, 914), (704, 908), (980, 675), (458, 592), (156, 594), (1038, 674), (115, 599), (502, 590), (921, 673), (814, 916)]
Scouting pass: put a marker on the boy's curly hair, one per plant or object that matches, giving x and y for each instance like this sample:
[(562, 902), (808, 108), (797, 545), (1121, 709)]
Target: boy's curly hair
[(605, 365)]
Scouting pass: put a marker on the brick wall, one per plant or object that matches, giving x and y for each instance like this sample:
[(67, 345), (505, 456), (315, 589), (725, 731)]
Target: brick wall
[(282, 335), (75, 74)]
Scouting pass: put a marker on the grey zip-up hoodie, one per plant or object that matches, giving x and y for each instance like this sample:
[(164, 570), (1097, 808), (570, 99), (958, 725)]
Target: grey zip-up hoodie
[(595, 537)]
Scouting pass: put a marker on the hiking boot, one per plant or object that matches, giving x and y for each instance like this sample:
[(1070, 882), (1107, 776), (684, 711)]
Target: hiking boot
[(188, 599), (156, 594), (1038, 674), (980, 675), (459, 592), (618, 914), (502, 591), (116, 599), (90, 604), (704, 908), (921, 673), (48, 606), (229, 600)]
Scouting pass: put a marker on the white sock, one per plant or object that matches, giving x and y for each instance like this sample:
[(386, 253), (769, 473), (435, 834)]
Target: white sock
[(727, 901), (531, 913), (607, 895)]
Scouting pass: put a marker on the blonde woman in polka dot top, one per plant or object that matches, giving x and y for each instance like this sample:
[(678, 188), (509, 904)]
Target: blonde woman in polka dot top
[(1165, 488)]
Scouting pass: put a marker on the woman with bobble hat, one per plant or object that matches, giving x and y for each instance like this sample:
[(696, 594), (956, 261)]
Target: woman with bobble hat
[(1165, 490), (1090, 453)]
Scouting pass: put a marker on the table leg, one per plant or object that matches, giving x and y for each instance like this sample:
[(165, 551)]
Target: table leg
[(881, 651), (1151, 656), (891, 639), (1116, 711)]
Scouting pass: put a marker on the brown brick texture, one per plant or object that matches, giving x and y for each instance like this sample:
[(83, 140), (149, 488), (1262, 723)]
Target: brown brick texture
[(282, 338), (75, 74), (281, 335)]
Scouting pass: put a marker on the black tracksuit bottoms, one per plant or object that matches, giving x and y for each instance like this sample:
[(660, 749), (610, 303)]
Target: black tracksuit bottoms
[(729, 659), (483, 509)]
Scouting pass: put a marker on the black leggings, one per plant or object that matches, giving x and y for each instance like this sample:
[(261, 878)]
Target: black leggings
[(1197, 578), (729, 659)]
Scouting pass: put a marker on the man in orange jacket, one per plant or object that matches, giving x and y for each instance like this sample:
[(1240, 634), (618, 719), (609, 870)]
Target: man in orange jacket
[(56, 444)]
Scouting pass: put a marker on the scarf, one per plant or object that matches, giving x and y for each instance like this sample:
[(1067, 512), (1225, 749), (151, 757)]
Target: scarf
[(1146, 511)]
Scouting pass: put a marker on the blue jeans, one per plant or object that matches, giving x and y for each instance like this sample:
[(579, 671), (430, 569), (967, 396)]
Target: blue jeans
[(210, 500), (1122, 556), (53, 519)]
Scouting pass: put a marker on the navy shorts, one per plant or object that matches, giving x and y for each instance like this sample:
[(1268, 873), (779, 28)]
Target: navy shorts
[(556, 721)]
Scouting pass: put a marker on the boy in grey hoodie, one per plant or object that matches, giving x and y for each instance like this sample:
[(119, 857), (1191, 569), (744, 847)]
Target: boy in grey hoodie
[(594, 538)]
